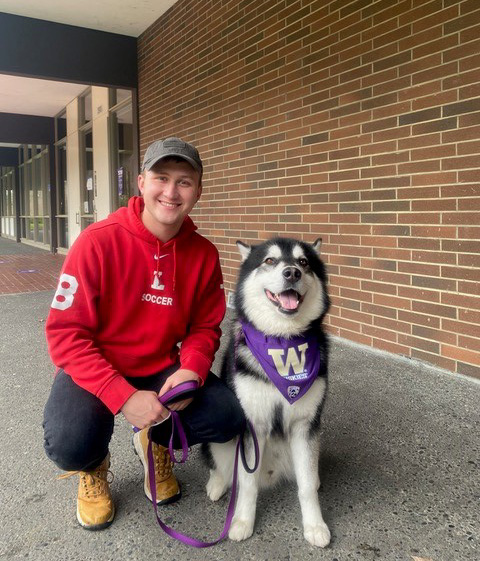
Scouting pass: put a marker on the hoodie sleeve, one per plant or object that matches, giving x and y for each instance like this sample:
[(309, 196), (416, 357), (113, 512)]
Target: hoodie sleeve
[(203, 338), (72, 323)]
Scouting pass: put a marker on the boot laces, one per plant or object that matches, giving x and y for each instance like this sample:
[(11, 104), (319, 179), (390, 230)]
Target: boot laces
[(94, 483), (162, 460)]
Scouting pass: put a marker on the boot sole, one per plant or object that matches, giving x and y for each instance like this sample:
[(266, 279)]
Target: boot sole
[(95, 527), (139, 452)]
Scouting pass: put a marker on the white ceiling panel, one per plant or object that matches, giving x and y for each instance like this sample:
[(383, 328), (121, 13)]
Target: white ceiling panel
[(30, 96), (127, 17)]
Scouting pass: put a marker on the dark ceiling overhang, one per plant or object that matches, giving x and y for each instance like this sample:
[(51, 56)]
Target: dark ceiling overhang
[(43, 49), (26, 129)]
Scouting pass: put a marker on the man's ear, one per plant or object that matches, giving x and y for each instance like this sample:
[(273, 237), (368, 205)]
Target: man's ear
[(140, 182), (317, 245), (244, 249)]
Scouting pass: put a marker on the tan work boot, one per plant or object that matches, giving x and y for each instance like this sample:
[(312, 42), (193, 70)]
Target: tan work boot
[(95, 508), (168, 490)]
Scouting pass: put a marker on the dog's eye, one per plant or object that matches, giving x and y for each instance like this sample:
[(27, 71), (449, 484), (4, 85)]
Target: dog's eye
[(270, 261), (303, 262)]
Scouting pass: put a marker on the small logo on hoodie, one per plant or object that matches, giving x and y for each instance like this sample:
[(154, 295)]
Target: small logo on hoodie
[(156, 285)]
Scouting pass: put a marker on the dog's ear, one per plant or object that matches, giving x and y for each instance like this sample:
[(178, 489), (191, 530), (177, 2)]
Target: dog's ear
[(317, 245), (244, 249)]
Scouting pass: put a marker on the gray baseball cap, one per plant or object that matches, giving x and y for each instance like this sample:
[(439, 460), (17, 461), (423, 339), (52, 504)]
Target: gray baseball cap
[(172, 146)]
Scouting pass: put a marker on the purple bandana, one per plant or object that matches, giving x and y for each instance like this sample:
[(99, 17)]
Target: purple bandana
[(291, 364)]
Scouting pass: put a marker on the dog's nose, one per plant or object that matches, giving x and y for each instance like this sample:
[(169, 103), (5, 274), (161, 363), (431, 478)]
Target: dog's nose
[(292, 273)]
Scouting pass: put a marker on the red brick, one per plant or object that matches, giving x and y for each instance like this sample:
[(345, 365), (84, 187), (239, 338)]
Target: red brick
[(391, 347), (463, 355), (358, 317), (377, 287), (392, 324), (468, 370), (471, 316), (461, 218), (460, 301), (435, 359), (418, 293)]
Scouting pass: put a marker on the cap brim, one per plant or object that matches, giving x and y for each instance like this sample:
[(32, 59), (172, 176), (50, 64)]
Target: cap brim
[(192, 162)]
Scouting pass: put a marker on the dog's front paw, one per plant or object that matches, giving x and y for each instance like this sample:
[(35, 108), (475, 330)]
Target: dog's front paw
[(216, 486), (318, 535), (240, 530)]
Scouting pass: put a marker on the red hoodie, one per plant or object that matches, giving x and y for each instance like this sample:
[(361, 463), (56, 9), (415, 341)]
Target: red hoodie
[(125, 300)]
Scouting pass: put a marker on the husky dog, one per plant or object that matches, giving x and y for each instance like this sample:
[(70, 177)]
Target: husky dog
[(276, 364)]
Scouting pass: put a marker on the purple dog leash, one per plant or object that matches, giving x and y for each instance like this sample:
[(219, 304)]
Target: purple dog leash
[(172, 395)]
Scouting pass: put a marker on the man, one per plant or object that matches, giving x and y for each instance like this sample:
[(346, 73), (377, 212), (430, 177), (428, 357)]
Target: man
[(133, 287)]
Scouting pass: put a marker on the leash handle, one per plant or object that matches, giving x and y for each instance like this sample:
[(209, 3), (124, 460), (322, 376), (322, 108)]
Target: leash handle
[(182, 391), (179, 392)]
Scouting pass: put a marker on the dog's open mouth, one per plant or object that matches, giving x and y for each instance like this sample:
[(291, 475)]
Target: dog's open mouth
[(287, 301)]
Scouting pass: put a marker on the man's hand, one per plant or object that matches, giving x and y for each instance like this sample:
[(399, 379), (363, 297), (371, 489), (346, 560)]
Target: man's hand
[(181, 375), (143, 409)]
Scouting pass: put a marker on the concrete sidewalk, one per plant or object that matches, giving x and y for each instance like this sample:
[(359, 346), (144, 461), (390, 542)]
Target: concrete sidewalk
[(399, 468)]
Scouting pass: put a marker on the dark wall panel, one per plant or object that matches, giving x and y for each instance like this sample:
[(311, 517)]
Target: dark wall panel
[(26, 129), (43, 49), (8, 156)]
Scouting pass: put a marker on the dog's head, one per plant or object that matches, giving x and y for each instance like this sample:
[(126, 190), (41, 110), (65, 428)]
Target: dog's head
[(282, 286)]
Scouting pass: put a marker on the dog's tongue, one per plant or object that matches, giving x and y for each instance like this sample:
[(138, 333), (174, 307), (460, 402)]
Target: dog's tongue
[(288, 299)]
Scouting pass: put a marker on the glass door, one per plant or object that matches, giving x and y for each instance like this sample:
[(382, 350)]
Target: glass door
[(42, 215), (34, 194)]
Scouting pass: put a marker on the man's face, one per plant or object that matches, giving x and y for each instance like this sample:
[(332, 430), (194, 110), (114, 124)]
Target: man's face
[(170, 190)]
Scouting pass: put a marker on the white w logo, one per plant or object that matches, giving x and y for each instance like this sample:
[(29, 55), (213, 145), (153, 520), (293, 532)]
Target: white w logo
[(298, 364)]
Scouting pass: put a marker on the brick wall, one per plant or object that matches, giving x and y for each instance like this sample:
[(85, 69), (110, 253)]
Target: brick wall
[(357, 121)]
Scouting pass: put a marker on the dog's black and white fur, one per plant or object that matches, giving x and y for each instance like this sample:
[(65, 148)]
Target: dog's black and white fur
[(282, 292)]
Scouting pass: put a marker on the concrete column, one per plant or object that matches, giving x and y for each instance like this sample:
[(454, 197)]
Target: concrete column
[(73, 171), (101, 153)]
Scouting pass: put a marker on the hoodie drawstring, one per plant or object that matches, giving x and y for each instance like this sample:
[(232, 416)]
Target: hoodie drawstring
[(174, 263), (158, 258)]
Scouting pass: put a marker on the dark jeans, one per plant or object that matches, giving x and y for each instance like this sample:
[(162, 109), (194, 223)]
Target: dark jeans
[(78, 426)]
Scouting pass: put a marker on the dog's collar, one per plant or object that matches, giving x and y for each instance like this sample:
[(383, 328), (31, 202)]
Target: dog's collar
[(291, 364)]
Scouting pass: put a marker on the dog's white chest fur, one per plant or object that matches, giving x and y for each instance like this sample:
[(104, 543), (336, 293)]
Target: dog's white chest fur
[(261, 400)]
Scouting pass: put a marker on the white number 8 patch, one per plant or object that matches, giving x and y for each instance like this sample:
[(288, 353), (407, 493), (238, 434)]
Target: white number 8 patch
[(63, 298)]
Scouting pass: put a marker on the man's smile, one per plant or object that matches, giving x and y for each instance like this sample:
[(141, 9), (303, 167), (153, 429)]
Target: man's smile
[(169, 205)]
